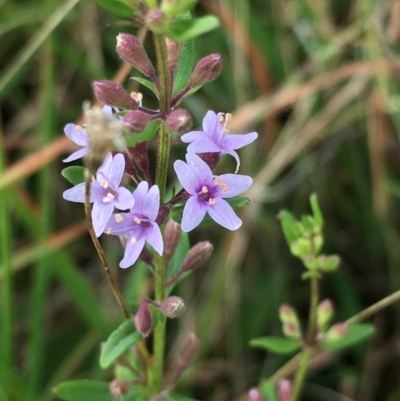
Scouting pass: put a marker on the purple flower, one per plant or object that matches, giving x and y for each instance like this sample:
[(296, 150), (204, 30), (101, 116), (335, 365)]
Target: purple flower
[(139, 225), (78, 135), (214, 138), (208, 192), (105, 192)]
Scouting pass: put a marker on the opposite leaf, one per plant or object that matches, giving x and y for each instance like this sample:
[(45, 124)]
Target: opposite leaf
[(118, 343), (355, 334), (117, 7), (182, 30), (74, 174), (84, 390), (278, 345)]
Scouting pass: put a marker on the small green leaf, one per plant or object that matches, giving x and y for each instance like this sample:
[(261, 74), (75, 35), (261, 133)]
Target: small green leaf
[(184, 68), (120, 340), (74, 174), (182, 30), (355, 334), (316, 210), (148, 84), (278, 345), (179, 255), (177, 8), (268, 390), (179, 397), (289, 226), (84, 390), (146, 135), (117, 7)]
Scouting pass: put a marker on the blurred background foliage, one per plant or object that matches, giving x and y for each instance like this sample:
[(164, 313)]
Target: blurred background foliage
[(318, 80)]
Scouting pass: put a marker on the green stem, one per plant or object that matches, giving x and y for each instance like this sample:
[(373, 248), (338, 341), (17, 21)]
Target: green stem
[(312, 318), (160, 268), (301, 375)]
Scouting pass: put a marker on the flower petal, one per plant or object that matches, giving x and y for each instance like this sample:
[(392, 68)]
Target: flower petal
[(124, 199), (211, 123), (186, 176), (139, 195), (154, 238), (77, 134), (203, 146), (237, 141), (222, 213), (76, 155), (193, 214), (236, 184), (192, 136), (132, 252), (76, 193), (116, 170), (105, 169), (119, 224), (151, 203), (101, 214), (199, 166), (236, 156)]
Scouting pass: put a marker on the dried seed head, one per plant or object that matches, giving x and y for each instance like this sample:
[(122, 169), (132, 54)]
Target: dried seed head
[(206, 70), (113, 94), (179, 121), (103, 131)]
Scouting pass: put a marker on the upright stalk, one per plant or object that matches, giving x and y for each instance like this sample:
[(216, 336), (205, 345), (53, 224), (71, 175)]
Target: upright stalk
[(161, 181)]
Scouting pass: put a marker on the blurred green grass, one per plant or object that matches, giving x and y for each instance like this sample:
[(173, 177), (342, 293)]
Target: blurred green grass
[(318, 81)]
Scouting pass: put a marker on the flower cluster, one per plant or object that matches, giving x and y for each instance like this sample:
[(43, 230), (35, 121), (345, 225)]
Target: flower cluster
[(139, 212)]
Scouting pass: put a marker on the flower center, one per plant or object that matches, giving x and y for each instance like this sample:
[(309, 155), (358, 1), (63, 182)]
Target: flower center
[(143, 222), (206, 196), (218, 181), (109, 197)]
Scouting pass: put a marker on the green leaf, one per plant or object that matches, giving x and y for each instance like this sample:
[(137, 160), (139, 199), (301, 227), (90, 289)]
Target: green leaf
[(176, 9), (268, 390), (316, 210), (117, 7), (74, 174), (235, 202), (184, 68), (148, 84), (179, 397), (278, 345), (119, 342), (289, 226), (146, 135), (84, 390), (182, 30), (355, 334)]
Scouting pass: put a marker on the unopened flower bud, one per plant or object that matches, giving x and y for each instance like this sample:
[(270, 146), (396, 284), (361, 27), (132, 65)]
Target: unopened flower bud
[(136, 121), (156, 20), (324, 313), (173, 51), (113, 94), (120, 387), (255, 395), (284, 390), (172, 236), (197, 255), (336, 332), (206, 70), (172, 307), (179, 121), (131, 50), (290, 320), (188, 350), (291, 330), (143, 319)]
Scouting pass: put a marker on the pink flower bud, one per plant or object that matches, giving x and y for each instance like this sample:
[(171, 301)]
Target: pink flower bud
[(206, 70), (336, 332), (113, 94), (188, 350), (119, 387), (136, 121), (287, 313), (155, 20), (172, 236), (197, 255), (291, 324), (324, 313), (179, 121), (284, 390), (255, 395), (143, 319), (172, 307), (131, 50), (173, 51)]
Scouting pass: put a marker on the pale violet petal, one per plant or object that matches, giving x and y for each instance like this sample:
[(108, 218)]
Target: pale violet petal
[(77, 134), (192, 136), (222, 213), (233, 184), (210, 123), (104, 169), (193, 214), (139, 195), (116, 170), (124, 199), (236, 156), (186, 176), (76, 193), (154, 238), (76, 155), (119, 224), (151, 203), (237, 141), (200, 167), (203, 146), (132, 252), (101, 214)]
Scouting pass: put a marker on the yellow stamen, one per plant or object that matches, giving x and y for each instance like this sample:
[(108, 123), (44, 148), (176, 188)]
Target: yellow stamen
[(119, 218), (108, 232), (137, 220), (133, 240), (104, 184), (212, 201), (137, 96), (204, 190)]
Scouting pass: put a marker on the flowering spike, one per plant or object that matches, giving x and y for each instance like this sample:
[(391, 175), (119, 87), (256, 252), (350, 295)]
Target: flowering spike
[(197, 255), (113, 94), (172, 236), (172, 307), (206, 70), (179, 121), (131, 50), (136, 121), (143, 319)]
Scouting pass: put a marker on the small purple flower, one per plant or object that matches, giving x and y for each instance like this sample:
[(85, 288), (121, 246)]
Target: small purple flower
[(139, 225), (208, 192), (78, 135), (105, 192), (214, 138)]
